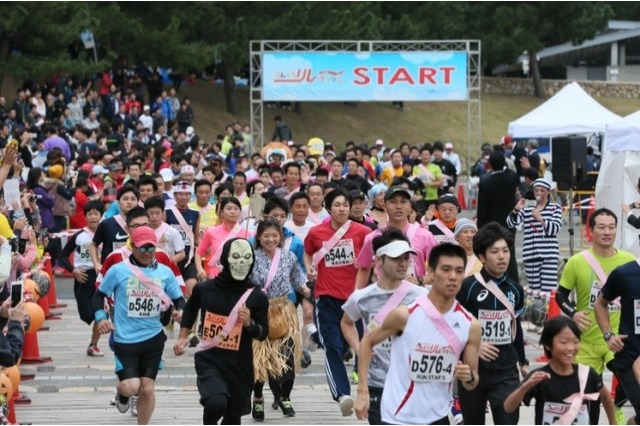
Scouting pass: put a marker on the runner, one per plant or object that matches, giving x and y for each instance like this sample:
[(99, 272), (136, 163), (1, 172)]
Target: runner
[(330, 252), (433, 341), (169, 239), (141, 289), (317, 212), (83, 272), (374, 302), (444, 225), (111, 232), (497, 302), (557, 387), (585, 273), (238, 311), (277, 359)]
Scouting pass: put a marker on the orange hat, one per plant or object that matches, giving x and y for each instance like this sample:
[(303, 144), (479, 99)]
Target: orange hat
[(56, 171)]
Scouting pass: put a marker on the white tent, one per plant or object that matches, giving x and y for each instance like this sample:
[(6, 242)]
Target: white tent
[(618, 177), (570, 111)]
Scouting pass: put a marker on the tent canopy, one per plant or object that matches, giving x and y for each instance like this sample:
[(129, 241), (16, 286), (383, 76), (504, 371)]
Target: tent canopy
[(570, 111), (618, 177)]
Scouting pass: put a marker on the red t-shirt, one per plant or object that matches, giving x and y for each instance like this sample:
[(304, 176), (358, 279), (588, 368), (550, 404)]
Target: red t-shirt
[(78, 219), (336, 271)]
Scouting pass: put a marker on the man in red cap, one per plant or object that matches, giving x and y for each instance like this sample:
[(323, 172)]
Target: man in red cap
[(142, 289)]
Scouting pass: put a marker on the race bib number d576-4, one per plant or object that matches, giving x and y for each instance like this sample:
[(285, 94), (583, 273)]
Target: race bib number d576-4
[(432, 363)]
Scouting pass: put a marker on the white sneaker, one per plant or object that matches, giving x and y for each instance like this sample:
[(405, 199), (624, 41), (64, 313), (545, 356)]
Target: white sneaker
[(133, 405), (346, 405), (310, 345)]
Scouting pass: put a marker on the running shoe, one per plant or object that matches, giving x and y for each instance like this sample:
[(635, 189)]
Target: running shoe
[(311, 335), (620, 417), (122, 403), (354, 377), (287, 408), (305, 362), (347, 355), (133, 405), (257, 411), (113, 400), (275, 405), (94, 350), (193, 340), (346, 405)]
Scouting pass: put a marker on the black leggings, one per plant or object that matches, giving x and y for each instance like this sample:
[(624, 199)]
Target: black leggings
[(621, 398), (216, 408), (281, 386)]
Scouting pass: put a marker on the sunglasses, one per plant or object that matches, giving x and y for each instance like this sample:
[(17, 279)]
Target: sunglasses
[(146, 249)]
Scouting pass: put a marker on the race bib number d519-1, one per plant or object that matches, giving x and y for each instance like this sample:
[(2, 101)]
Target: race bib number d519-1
[(213, 325), (432, 363), (496, 326), (342, 254), (143, 304)]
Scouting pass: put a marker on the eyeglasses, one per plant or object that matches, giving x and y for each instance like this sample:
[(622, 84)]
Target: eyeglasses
[(146, 249)]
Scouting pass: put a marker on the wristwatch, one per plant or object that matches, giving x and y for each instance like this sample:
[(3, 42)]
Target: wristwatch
[(472, 378), (608, 335)]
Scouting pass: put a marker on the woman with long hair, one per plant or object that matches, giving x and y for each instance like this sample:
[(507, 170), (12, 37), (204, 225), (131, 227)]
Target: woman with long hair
[(276, 272)]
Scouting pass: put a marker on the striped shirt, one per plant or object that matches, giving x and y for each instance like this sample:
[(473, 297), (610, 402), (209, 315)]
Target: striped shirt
[(539, 241)]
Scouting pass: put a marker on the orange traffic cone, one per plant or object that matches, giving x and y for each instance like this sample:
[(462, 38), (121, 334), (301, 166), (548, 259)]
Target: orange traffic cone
[(51, 295), (462, 202), (44, 304), (31, 350), (553, 310)]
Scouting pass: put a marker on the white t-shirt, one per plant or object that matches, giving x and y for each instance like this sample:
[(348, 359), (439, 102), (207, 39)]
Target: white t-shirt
[(171, 241)]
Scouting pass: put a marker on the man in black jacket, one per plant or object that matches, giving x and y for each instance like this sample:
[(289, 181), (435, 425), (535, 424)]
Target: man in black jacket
[(496, 198)]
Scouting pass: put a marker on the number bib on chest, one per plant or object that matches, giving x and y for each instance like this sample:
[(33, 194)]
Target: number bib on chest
[(636, 315), (183, 235), (213, 325), (143, 304), (432, 363), (84, 253), (496, 326), (595, 291), (341, 254), (553, 410)]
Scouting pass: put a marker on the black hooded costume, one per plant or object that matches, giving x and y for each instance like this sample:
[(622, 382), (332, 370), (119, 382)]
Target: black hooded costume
[(225, 375)]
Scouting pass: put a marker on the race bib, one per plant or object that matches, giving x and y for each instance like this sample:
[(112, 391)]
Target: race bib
[(213, 325), (143, 303), (84, 253), (595, 291), (117, 245), (552, 412), (636, 315), (432, 363), (342, 254), (183, 235), (496, 326)]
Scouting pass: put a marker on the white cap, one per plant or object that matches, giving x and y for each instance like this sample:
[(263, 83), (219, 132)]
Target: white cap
[(395, 249), (187, 169), (448, 145), (146, 108), (190, 131), (183, 186), (379, 142), (291, 143), (167, 175), (97, 169)]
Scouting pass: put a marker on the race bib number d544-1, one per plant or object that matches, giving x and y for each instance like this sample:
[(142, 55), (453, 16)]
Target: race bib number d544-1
[(342, 254), (432, 363)]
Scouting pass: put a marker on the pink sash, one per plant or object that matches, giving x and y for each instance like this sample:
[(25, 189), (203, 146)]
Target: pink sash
[(187, 229), (88, 231), (273, 269), (288, 196), (118, 218), (287, 243), (493, 288), (470, 266), (161, 230), (231, 322), (314, 217), (443, 326), (446, 231), (165, 302), (597, 269), (242, 197), (319, 255), (216, 256), (392, 302), (576, 399)]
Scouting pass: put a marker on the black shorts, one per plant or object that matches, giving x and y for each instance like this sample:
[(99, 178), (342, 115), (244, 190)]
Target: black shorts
[(212, 381), (631, 388), (142, 359), (84, 293), (190, 271)]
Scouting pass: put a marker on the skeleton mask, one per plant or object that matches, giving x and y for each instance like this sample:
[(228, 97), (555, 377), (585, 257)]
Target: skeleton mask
[(240, 259)]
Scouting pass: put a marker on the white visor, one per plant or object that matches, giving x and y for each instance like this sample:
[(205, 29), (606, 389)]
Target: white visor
[(395, 249)]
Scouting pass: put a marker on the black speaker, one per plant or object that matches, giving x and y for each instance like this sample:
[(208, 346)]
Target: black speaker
[(569, 161)]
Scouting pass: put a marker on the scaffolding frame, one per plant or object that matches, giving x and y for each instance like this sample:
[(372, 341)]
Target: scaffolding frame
[(474, 70)]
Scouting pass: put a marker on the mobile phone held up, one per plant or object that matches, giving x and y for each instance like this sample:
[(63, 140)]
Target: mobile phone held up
[(16, 293)]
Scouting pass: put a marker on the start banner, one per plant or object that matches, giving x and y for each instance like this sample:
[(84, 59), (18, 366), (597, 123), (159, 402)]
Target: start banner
[(370, 76)]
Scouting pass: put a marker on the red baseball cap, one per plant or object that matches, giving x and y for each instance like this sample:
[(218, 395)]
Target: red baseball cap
[(507, 139), (143, 235)]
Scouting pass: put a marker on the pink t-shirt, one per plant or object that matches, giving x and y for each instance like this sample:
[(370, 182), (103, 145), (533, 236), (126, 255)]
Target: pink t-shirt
[(422, 242), (213, 238)]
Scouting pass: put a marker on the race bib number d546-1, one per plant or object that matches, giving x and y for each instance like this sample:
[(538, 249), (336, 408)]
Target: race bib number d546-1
[(143, 304), (432, 363)]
